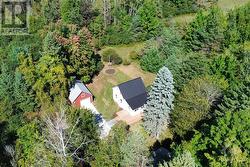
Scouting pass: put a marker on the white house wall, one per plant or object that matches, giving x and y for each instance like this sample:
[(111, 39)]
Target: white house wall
[(122, 103)]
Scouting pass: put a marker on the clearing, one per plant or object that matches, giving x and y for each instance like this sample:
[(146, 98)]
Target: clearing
[(102, 85), (225, 5), (124, 50)]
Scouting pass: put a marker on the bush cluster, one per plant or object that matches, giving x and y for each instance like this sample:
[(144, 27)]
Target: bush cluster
[(110, 55)]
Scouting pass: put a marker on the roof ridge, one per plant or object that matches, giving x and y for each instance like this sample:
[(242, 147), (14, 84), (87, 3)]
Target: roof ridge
[(130, 80)]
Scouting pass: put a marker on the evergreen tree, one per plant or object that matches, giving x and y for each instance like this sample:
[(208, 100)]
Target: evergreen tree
[(206, 33), (236, 98), (77, 12), (160, 103), (193, 66), (152, 60), (225, 66), (147, 24), (6, 93), (51, 10), (50, 44), (182, 160), (134, 150), (110, 154), (24, 98), (238, 29), (225, 143)]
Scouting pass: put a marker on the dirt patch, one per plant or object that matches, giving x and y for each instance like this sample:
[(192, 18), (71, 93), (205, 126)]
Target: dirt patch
[(110, 71)]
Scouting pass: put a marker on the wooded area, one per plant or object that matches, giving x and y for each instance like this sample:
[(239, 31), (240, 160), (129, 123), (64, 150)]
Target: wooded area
[(200, 95)]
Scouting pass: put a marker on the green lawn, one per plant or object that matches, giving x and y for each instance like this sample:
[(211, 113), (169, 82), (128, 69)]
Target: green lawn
[(124, 50), (182, 20), (102, 90), (227, 5)]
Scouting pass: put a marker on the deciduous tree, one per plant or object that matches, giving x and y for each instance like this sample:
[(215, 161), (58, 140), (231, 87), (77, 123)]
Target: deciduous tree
[(194, 102)]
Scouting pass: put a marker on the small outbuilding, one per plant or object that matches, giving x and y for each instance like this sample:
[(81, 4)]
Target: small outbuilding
[(80, 95)]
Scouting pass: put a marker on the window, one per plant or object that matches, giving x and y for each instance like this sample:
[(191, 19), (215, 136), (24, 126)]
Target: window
[(121, 100)]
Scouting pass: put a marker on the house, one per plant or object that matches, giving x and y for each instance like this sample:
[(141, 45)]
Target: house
[(131, 96), (80, 96)]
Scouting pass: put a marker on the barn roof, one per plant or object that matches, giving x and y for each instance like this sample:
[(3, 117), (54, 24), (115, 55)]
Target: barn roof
[(134, 92), (77, 89)]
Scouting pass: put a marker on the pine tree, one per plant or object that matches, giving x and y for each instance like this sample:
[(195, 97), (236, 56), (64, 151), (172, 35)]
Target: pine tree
[(160, 103), (134, 150), (147, 23), (236, 98), (206, 33), (24, 98), (183, 160)]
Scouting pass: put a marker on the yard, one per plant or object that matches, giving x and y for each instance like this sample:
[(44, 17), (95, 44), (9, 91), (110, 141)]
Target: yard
[(103, 83), (124, 50)]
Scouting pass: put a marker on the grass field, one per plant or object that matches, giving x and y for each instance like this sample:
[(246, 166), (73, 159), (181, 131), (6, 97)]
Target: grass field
[(225, 5), (124, 50)]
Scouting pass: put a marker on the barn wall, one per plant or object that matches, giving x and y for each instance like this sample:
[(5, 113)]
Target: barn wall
[(82, 96)]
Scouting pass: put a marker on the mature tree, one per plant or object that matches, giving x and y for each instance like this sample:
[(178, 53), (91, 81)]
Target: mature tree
[(225, 66), (30, 149), (83, 61), (238, 26), (51, 45), (51, 10), (225, 143), (182, 160), (134, 150), (60, 136), (237, 72), (168, 51), (51, 78), (76, 11), (206, 32), (110, 154), (6, 101), (147, 23), (159, 104), (171, 43), (152, 60), (195, 101), (193, 66), (24, 97), (236, 98), (75, 50)]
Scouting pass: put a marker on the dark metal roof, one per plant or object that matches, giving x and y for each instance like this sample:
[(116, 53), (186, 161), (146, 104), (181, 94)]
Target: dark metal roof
[(134, 92)]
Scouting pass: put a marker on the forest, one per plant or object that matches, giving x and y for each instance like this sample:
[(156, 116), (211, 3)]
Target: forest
[(198, 107)]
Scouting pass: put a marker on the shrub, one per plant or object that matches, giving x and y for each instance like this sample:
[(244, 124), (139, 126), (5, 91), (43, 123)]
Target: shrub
[(110, 55), (116, 60), (126, 62), (133, 55)]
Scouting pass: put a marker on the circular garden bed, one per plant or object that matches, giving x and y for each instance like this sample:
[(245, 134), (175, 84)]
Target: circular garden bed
[(110, 71)]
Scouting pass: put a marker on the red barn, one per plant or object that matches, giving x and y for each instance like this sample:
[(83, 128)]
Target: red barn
[(80, 94)]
